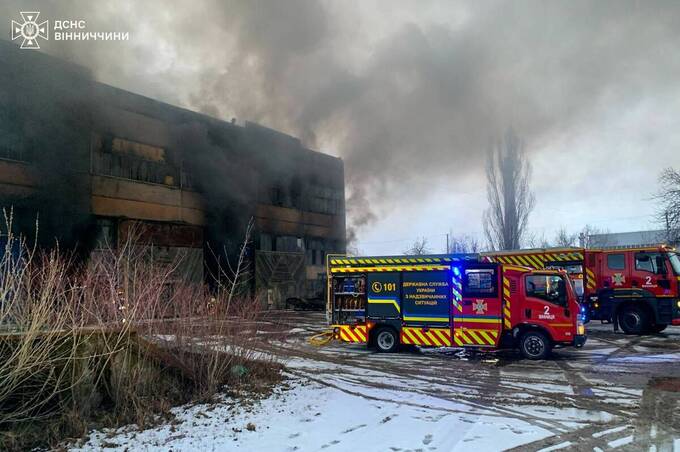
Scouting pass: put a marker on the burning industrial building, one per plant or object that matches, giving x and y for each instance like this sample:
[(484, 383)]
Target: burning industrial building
[(87, 163)]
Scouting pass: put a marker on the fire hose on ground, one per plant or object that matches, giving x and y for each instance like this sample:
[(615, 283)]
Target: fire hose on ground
[(321, 339)]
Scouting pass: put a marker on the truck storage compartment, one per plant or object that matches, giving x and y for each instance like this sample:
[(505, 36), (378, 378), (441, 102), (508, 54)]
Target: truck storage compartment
[(349, 298)]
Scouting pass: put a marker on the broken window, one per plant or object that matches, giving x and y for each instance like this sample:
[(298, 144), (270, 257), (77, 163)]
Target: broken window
[(324, 200), (117, 157)]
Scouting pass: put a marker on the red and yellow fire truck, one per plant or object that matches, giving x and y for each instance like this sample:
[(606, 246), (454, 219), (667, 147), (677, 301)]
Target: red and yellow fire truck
[(451, 301), (637, 289)]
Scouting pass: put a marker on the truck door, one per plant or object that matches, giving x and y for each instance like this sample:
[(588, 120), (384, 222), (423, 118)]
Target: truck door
[(615, 271), (426, 308), (546, 304), (649, 273), (478, 322)]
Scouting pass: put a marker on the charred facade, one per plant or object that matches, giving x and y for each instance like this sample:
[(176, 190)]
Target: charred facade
[(90, 163)]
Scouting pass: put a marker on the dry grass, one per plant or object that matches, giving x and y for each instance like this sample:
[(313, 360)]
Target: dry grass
[(115, 341)]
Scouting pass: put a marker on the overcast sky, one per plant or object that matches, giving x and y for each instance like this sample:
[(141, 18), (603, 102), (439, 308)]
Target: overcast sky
[(411, 93)]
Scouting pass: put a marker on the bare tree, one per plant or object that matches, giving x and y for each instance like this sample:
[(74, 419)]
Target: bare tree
[(510, 198), (463, 244), (669, 203), (419, 247), (591, 237), (535, 240), (564, 238)]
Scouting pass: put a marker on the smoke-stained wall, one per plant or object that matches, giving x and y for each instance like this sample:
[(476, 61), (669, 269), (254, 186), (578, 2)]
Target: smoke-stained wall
[(46, 115), (89, 158)]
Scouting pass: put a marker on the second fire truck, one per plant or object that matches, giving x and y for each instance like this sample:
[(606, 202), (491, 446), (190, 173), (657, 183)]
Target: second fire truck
[(636, 289)]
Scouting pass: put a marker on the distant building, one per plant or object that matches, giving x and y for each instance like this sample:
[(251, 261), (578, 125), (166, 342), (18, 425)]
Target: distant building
[(633, 238), (93, 162)]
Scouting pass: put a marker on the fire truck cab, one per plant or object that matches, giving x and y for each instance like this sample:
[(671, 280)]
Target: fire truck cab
[(451, 301), (635, 288)]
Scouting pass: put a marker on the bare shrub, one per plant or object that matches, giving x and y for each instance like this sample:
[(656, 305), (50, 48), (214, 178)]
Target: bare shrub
[(117, 339)]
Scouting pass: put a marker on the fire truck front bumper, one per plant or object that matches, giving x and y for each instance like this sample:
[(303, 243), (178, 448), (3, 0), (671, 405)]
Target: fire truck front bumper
[(580, 340)]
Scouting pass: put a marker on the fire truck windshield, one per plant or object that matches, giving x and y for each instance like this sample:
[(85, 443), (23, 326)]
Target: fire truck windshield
[(675, 262)]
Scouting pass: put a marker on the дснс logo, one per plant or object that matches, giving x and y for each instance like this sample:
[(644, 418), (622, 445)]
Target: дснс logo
[(30, 30)]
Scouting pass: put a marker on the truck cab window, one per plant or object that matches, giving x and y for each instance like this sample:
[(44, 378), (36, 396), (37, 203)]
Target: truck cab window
[(647, 262), (479, 282), (675, 262), (551, 288), (616, 262)]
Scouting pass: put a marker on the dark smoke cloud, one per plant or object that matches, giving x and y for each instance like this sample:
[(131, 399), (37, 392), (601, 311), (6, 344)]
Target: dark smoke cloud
[(408, 93)]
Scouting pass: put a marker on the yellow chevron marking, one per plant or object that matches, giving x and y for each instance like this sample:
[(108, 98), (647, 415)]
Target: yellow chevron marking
[(434, 339), (538, 264), (525, 261), (486, 337), (475, 337), (506, 291), (442, 336), (463, 338), (418, 332), (388, 268)]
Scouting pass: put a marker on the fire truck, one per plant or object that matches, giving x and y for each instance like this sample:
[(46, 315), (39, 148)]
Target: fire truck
[(636, 288), (451, 301)]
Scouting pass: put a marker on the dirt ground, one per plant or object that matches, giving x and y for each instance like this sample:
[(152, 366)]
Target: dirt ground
[(618, 392)]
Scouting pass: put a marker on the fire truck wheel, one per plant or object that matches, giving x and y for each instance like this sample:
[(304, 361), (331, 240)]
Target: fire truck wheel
[(535, 345), (386, 340), (633, 320)]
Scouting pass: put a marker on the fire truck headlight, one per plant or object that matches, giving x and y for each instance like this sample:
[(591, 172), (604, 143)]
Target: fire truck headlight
[(580, 329), (678, 304)]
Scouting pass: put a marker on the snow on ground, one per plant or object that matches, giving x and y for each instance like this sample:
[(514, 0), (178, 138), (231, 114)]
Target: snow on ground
[(314, 417), (345, 397)]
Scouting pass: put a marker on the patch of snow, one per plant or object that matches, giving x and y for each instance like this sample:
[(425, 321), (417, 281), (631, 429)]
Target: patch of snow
[(556, 446), (620, 442), (314, 417), (609, 431), (646, 359)]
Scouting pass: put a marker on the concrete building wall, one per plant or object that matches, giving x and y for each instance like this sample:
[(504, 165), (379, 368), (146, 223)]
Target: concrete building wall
[(90, 159)]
